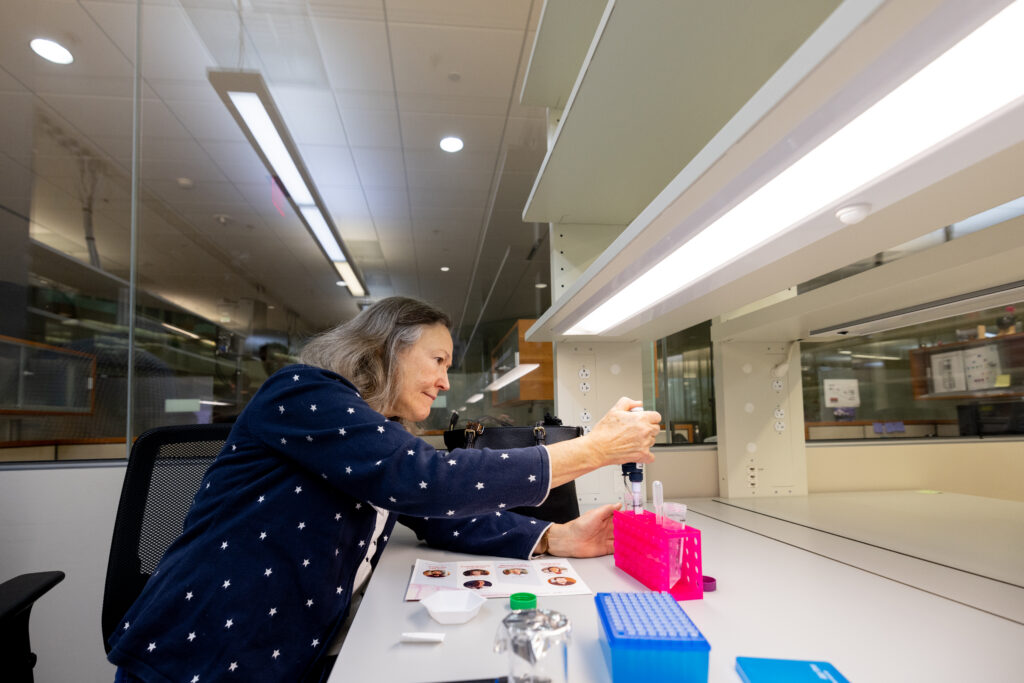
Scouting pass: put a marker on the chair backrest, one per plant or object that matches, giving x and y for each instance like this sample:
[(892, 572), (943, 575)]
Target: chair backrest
[(165, 469)]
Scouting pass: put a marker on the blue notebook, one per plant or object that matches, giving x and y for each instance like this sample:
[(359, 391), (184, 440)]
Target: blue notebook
[(757, 670)]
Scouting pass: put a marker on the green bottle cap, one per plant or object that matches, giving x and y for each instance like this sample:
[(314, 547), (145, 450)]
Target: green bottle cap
[(522, 601)]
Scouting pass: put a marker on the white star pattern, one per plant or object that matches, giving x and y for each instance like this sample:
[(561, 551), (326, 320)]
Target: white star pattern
[(504, 456), (305, 563), (227, 584), (312, 408), (191, 636), (277, 653), (450, 513), (188, 596), (423, 484), (533, 521), (309, 603), (532, 477), (501, 505), (284, 440), (195, 679), (234, 447), (233, 666), (126, 624), (261, 499), (310, 439), (337, 516), (152, 646), (348, 470), (455, 533), (229, 623), (207, 484), (316, 642), (342, 431), (281, 409), (359, 506), (339, 590), (362, 543), (392, 499), (263, 535), (410, 452), (268, 571), (381, 429), (295, 378), (378, 463), (497, 513), (224, 545), (302, 525), (451, 462), (351, 410), (272, 612), (479, 485), (298, 489)]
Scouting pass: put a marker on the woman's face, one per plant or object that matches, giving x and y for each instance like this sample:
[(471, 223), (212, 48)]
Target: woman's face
[(422, 373)]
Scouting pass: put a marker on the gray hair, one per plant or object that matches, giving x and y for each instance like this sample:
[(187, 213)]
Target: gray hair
[(365, 350)]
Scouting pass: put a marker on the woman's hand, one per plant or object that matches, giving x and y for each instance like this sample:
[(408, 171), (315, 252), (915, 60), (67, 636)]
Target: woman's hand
[(620, 436), (624, 436), (589, 535)]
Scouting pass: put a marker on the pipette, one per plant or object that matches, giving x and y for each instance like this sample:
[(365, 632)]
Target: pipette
[(634, 472)]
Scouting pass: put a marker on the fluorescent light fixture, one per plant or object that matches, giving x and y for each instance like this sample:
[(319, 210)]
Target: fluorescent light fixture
[(250, 108), (474, 398), (172, 328), (247, 97), (213, 403), (51, 51), (868, 356), (344, 269), (451, 144), (445, 269), (517, 371), (323, 233), (972, 80)]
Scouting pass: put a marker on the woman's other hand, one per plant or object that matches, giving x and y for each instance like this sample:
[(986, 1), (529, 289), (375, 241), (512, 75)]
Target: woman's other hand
[(589, 535)]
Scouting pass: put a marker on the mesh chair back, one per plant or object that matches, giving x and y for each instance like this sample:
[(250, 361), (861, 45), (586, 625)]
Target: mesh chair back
[(165, 469)]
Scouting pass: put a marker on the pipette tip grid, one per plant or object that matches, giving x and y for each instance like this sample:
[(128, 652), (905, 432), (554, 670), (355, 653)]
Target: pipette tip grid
[(648, 637), (663, 556)]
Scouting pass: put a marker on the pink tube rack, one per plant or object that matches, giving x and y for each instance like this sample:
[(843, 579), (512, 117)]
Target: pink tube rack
[(663, 557)]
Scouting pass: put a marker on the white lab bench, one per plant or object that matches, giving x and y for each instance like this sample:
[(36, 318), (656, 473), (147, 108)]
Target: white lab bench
[(774, 599)]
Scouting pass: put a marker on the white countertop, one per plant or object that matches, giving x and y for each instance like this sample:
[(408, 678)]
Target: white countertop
[(773, 600)]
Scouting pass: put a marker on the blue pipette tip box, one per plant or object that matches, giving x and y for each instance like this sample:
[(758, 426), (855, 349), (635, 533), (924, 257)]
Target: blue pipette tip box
[(647, 636), (759, 670)]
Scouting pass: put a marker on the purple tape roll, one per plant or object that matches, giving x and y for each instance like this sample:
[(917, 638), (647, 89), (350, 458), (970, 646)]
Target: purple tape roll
[(709, 584)]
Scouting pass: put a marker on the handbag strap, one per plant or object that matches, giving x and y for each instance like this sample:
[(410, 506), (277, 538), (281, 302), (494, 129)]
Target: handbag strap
[(472, 430)]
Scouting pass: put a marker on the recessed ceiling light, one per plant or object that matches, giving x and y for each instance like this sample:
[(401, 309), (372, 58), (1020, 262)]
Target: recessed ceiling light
[(445, 269), (451, 144), (341, 283), (51, 51), (541, 285)]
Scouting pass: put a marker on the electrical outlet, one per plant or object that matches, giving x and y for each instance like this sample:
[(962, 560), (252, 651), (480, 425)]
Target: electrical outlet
[(584, 372), (779, 426), (585, 387), (585, 416), (779, 413), (777, 385)]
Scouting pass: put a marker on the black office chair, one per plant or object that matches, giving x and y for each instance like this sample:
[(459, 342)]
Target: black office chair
[(17, 596), (165, 469)]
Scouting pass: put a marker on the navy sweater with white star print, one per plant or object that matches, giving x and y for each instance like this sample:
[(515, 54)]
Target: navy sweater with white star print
[(257, 584)]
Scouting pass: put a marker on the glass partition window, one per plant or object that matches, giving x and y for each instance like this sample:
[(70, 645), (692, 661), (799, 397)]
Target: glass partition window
[(679, 383), (961, 376)]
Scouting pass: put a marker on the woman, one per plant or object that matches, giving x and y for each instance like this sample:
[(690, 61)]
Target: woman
[(296, 509)]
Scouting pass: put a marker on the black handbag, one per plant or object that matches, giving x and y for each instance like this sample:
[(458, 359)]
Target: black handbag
[(561, 505)]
